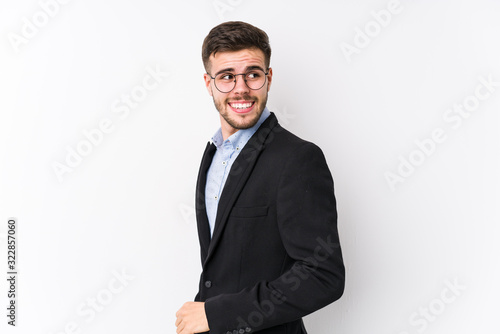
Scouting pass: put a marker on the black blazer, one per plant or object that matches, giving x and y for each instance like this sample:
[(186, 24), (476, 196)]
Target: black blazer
[(275, 254)]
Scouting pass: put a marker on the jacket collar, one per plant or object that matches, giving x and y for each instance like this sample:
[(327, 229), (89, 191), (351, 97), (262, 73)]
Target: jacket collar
[(200, 208), (238, 175)]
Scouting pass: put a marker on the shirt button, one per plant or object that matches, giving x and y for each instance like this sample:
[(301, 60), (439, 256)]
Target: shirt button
[(224, 163), (215, 197), (208, 284)]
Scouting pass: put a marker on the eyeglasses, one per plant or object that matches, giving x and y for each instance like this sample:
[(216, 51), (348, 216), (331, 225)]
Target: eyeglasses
[(254, 79)]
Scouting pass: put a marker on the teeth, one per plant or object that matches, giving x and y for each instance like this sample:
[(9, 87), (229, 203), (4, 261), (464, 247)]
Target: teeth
[(241, 105)]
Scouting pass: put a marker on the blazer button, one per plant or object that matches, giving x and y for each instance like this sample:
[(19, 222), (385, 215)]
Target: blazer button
[(208, 284)]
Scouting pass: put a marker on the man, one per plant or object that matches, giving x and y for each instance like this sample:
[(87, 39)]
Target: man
[(265, 204)]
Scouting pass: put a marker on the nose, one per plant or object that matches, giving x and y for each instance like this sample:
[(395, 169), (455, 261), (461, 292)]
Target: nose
[(240, 85)]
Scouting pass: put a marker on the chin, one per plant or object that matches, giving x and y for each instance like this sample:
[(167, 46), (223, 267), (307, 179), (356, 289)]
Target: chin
[(243, 121)]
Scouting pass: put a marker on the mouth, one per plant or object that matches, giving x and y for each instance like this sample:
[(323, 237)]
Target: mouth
[(241, 107)]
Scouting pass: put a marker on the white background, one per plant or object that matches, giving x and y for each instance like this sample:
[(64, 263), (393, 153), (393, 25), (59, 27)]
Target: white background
[(128, 204)]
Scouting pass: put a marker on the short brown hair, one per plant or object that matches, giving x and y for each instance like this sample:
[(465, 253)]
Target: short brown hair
[(235, 36)]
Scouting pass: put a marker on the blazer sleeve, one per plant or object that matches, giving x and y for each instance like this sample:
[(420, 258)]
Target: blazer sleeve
[(307, 220)]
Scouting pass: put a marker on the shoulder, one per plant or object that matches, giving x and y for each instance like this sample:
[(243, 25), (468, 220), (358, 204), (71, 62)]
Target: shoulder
[(281, 142)]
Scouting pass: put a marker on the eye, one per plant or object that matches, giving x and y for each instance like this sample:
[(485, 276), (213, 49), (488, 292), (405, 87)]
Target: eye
[(253, 75), (226, 77)]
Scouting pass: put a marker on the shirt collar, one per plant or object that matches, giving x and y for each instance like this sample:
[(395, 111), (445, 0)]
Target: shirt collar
[(240, 137)]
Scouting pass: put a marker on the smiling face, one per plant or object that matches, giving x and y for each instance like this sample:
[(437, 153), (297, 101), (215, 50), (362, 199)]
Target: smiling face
[(240, 108)]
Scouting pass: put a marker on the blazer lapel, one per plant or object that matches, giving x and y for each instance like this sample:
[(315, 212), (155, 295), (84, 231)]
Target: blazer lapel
[(238, 175), (201, 211)]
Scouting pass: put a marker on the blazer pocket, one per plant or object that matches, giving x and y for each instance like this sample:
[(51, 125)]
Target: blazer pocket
[(249, 212)]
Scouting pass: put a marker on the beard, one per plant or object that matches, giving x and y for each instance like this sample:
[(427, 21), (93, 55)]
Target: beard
[(241, 122)]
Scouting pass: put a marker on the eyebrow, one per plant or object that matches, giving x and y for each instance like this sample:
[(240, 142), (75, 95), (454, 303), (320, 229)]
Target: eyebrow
[(230, 69)]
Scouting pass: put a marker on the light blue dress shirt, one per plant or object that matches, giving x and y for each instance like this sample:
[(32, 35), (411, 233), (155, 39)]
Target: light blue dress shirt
[(227, 151)]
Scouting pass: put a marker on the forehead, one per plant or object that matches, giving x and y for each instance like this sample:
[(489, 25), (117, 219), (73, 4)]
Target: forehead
[(237, 60)]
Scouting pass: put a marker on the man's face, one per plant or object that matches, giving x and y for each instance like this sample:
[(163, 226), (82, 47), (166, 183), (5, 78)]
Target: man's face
[(240, 108)]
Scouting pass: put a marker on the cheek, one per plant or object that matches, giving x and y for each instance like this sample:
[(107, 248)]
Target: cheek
[(219, 98)]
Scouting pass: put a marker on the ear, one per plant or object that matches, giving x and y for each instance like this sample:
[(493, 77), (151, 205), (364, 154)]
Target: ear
[(269, 79), (207, 79)]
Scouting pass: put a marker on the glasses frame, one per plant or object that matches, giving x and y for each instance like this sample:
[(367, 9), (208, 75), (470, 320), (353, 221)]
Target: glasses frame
[(244, 79)]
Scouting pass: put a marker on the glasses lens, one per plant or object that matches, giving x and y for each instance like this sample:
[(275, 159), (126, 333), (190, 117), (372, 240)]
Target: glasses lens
[(255, 79), (225, 82)]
